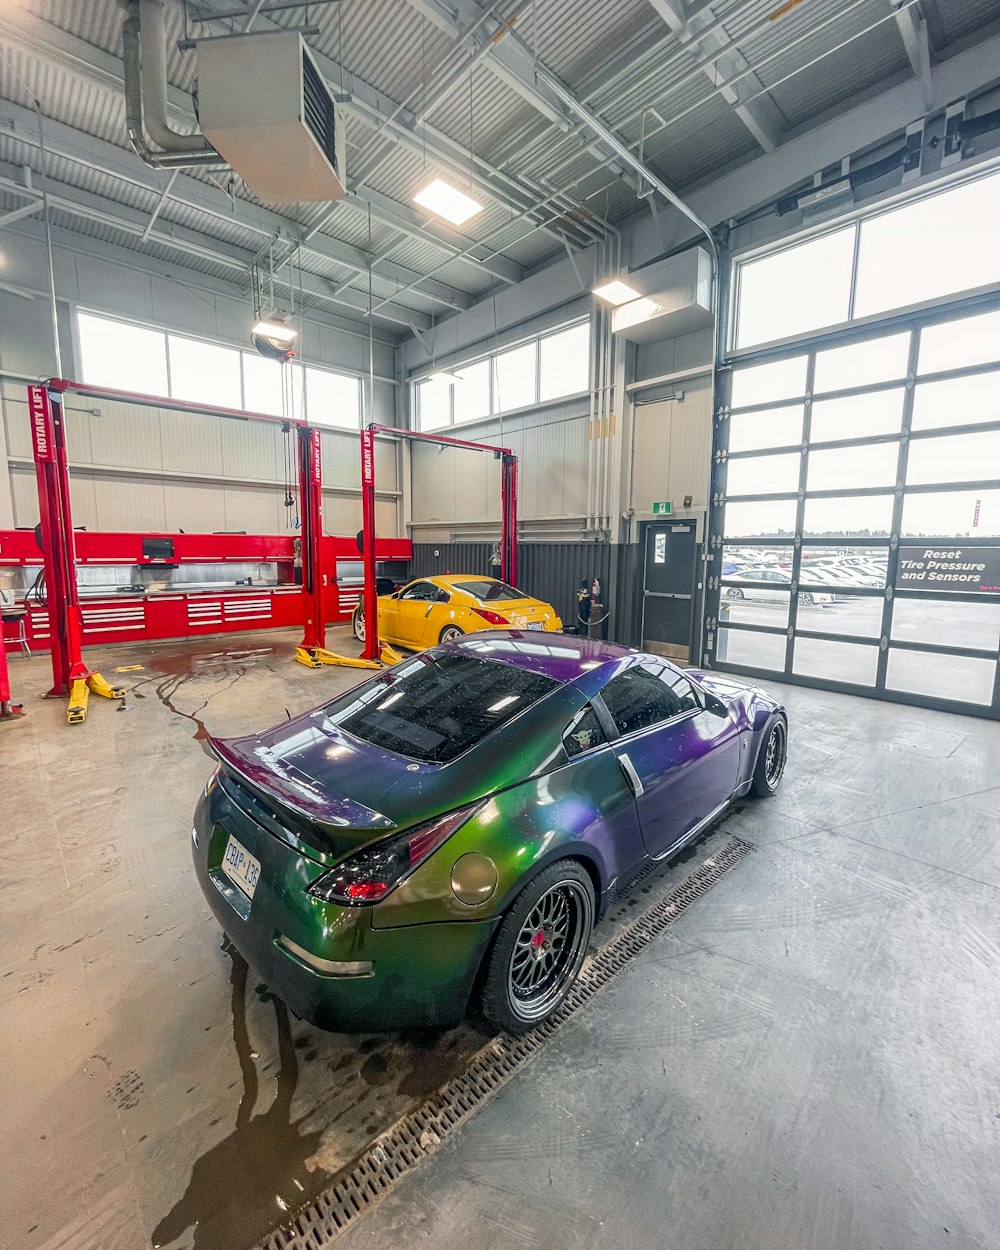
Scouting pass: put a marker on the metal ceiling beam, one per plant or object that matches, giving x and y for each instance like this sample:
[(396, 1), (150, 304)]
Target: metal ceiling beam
[(64, 142), (15, 214), (760, 116), (507, 57), (912, 26), (398, 122), (87, 206), (89, 64)]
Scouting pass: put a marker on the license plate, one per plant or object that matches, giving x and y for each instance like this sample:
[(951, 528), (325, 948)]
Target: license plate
[(241, 867), (536, 624)]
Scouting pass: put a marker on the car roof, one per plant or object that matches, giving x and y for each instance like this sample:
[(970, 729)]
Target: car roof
[(451, 579), (563, 657)]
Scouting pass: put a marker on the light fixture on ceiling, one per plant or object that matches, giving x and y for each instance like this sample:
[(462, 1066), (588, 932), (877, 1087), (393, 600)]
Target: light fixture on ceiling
[(273, 336), (616, 292), (277, 328), (444, 200)]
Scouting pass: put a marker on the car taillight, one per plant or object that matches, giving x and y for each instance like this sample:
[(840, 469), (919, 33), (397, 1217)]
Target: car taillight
[(494, 618), (366, 878)]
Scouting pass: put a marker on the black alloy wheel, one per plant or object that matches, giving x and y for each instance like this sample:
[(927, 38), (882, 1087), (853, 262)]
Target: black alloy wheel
[(771, 761)]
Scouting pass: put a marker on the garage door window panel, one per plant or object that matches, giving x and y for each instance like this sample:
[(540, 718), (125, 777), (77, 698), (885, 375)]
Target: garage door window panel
[(968, 679), (947, 623), (853, 468), (848, 516), (772, 518), (747, 648), (763, 475), (769, 383), (850, 663), (970, 400), (952, 514), (958, 344), (771, 427), (862, 364), (857, 416), (765, 602), (959, 458)]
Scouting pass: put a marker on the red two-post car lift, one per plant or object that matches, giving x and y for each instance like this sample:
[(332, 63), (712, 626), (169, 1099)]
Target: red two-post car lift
[(508, 519), (70, 674)]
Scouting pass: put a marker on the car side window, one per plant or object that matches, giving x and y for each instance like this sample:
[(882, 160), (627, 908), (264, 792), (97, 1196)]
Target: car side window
[(584, 733), (642, 696), (420, 590), (683, 692), (441, 596)]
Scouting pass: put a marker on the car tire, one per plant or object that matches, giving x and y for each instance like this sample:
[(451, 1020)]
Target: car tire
[(539, 948), (771, 760), (358, 623), (450, 633), (734, 593), (805, 596)]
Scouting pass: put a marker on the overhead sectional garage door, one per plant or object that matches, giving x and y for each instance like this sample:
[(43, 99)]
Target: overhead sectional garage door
[(855, 536)]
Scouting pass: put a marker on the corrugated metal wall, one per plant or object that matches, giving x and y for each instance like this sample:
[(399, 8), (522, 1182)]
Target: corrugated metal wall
[(549, 571)]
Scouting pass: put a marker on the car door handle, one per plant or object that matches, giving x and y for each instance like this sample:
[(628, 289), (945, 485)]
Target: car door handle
[(631, 776)]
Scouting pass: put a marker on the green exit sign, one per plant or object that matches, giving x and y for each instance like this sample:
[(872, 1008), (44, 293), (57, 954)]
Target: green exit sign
[(662, 509)]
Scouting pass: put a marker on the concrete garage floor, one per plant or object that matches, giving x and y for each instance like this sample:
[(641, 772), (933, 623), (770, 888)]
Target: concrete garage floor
[(809, 1058)]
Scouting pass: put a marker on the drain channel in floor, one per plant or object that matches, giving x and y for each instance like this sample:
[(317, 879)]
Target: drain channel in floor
[(391, 1156)]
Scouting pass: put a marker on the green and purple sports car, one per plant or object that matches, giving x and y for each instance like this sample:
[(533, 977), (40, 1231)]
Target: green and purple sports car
[(457, 824)]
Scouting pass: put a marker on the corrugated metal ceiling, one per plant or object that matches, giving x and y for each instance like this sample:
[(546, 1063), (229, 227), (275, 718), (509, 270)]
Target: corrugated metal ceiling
[(619, 55)]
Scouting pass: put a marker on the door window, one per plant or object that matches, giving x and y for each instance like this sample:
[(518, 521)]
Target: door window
[(424, 591), (583, 734), (641, 697)]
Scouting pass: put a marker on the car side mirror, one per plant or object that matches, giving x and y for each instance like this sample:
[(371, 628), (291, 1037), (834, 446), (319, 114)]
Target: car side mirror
[(713, 703)]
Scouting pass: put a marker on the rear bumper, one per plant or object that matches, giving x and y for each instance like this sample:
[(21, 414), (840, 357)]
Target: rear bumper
[(415, 976)]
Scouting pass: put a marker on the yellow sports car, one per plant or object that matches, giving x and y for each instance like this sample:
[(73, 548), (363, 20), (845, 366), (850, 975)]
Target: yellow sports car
[(436, 609)]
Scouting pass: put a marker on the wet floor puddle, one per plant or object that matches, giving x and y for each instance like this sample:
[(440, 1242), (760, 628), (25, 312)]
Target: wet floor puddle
[(273, 1162)]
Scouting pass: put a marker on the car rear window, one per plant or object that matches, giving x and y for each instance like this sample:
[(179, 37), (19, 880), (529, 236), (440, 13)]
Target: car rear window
[(438, 706), (486, 589)]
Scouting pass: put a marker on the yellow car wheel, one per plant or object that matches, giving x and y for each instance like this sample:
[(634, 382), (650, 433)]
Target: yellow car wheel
[(358, 623), (450, 633)]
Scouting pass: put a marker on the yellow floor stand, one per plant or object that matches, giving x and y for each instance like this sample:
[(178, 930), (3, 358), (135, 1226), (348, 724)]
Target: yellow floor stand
[(316, 657)]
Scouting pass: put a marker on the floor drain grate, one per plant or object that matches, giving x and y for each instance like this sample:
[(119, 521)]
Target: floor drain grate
[(418, 1134)]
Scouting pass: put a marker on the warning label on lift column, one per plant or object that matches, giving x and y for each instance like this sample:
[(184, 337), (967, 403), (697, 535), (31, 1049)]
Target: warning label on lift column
[(949, 568)]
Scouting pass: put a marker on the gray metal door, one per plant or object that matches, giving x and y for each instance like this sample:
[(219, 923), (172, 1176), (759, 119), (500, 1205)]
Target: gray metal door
[(668, 588)]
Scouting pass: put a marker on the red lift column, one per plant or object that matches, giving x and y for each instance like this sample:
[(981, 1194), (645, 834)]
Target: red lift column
[(9, 710), (311, 505), (371, 651), (69, 673), (508, 518)]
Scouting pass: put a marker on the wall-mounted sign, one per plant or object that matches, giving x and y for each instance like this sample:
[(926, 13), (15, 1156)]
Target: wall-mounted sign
[(661, 509), (949, 568)]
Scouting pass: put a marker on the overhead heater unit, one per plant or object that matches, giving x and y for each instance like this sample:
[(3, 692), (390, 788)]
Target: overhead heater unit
[(263, 103)]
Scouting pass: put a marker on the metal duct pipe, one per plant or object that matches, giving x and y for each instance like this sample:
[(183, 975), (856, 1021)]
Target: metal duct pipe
[(199, 155)]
